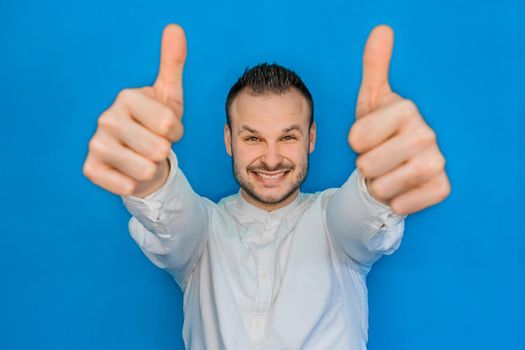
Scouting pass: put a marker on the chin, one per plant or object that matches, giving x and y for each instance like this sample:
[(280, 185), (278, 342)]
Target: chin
[(276, 199)]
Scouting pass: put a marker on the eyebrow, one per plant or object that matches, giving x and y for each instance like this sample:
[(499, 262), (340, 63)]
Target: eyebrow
[(286, 130)]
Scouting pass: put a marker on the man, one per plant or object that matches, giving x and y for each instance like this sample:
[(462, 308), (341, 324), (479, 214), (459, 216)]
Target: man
[(269, 267)]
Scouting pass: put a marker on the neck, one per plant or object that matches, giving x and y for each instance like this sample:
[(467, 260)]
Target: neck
[(266, 206)]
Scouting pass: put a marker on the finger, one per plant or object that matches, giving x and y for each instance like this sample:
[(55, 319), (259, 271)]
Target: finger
[(108, 151), (379, 125), (391, 153), (107, 178), (168, 85), (409, 175), (424, 196), (138, 138), (376, 62), (144, 142), (154, 115)]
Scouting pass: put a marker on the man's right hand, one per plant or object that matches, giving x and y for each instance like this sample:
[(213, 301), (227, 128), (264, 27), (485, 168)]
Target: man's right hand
[(128, 154)]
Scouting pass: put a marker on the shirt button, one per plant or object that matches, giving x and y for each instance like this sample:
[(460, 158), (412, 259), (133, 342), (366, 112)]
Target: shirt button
[(257, 324), (264, 274)]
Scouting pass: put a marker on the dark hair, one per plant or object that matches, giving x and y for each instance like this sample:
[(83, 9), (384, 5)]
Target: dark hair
[(268, 79)]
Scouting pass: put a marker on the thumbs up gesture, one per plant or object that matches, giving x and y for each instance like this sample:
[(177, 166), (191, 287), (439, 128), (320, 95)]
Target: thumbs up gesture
[(129, 150), (398, 152)]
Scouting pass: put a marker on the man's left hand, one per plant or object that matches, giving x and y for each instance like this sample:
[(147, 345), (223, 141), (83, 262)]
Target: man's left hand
[(398, 152)]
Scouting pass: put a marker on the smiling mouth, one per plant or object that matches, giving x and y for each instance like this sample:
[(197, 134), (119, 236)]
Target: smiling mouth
[(270, 178)]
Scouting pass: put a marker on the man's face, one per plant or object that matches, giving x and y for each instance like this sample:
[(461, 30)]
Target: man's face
[(270, 142)]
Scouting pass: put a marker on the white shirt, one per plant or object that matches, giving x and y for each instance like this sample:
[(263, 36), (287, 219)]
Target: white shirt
[(293, 278)]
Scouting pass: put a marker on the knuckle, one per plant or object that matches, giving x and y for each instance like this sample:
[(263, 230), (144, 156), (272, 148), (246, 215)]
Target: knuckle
[(435, 165), (445, 189), (425, 138), (351, 140), (417, 174), (147, 90), (132, 187), (95, 145), (431, 135), (378, 190), (170, 113), (148, 172), (124, 95), (355, 140), (129, 188), (180, 133), (103, 119), (363, 166), (162, 150), (167, 123), (108, 121), (430, 167), (177, 133), (87, 169), (440, 162), (408, 106)]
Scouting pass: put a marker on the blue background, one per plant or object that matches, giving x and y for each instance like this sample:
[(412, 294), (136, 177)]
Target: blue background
[(72, 278)]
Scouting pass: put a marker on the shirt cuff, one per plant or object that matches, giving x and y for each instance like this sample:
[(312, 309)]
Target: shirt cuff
[(150, 205)]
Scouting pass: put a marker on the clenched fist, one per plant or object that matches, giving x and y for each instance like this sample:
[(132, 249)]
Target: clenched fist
[(129, 150), (398, 152)]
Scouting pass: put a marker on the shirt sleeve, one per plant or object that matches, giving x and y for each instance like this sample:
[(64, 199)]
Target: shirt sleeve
[(363, 227), (171, 225)]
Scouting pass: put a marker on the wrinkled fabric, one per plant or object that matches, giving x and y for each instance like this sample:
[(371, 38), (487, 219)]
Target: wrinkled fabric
[(293, 278)]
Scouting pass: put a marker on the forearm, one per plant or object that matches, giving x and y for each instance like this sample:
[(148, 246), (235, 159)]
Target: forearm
[(363, 227)]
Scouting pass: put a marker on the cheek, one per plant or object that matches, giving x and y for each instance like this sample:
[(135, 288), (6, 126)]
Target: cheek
[(244, 156), (296, 153)]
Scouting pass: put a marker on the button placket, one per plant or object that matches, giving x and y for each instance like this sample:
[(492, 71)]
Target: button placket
[(268, 233), (264, 278), (264, 287), (257, 327)]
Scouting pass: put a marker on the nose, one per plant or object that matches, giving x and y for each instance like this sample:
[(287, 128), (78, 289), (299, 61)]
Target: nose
[(272, 157)]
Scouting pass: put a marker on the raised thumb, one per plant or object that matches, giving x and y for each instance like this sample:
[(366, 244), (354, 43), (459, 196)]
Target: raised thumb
[(168, 85), (376, 63)]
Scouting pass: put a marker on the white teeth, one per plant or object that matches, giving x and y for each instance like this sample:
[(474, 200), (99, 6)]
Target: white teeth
[(270, 177)]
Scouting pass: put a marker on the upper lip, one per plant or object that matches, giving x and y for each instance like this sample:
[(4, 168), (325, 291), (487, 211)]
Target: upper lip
[(265, 173)]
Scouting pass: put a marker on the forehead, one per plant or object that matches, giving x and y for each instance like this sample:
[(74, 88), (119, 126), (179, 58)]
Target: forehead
[(270, 111)]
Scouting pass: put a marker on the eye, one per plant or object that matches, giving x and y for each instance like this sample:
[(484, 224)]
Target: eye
[(289, 138), (252, 139)]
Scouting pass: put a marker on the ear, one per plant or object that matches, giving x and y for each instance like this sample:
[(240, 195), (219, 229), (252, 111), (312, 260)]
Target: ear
[(312, 137), (228, 139)]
